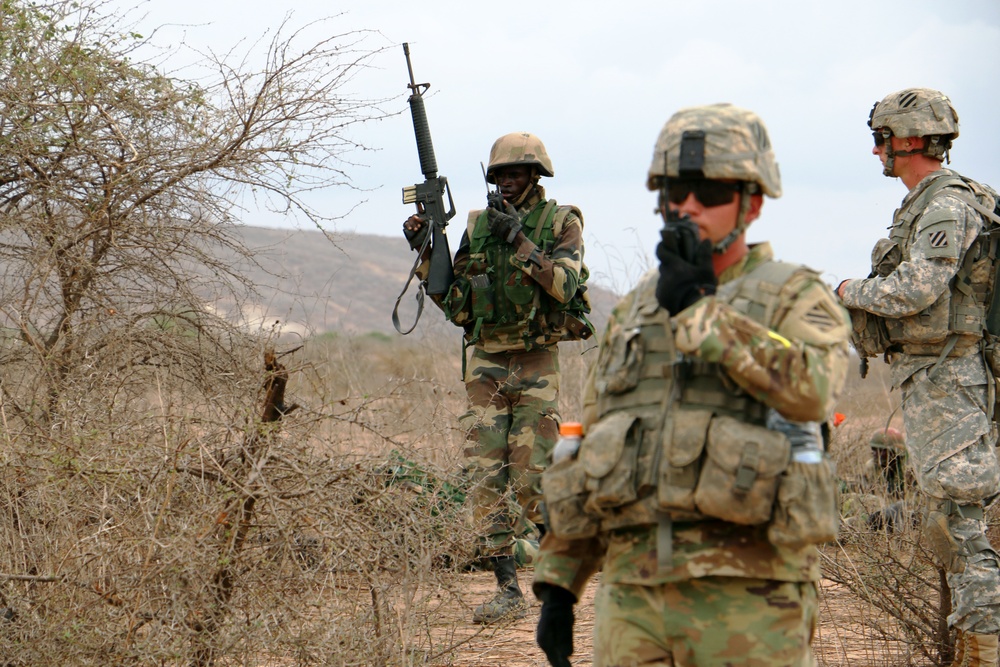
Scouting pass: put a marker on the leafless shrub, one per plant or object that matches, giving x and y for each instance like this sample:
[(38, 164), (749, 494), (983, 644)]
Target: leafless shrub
[(896, 598)]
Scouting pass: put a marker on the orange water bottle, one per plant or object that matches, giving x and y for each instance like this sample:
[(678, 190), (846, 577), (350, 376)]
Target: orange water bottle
[(570, 436)]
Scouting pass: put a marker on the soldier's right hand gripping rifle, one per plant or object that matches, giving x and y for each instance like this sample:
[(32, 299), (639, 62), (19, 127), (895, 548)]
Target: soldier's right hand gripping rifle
[(429, 198)]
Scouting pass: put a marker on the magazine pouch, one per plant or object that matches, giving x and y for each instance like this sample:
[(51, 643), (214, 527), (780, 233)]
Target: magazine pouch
[(609, 454), (807, 508), (741, 471)]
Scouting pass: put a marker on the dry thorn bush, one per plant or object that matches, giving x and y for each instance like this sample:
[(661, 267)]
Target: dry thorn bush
[(886, 600)]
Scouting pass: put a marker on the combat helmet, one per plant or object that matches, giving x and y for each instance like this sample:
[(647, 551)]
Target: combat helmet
[(915, 112), (518, 148), (717, 141), (889, 438), (736, 145)]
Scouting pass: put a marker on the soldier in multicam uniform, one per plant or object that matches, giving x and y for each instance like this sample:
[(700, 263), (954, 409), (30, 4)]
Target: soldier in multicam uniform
[(924, 308), (701, 485), (519, 290)]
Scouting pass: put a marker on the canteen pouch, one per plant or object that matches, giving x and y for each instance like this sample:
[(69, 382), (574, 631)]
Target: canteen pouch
[(457, 299), (806, 511), (482, 296), (609, 453), (564, 489), (741, 470), (681, 464)]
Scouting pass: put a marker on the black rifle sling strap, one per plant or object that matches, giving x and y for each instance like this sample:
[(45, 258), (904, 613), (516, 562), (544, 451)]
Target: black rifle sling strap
[(420, 291)]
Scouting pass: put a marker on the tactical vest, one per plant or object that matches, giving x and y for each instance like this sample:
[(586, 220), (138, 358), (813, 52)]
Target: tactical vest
[(506, 304), (675, 436), (962, 314)]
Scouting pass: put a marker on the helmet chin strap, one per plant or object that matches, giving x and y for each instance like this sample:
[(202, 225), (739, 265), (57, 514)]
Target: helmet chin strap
[(890, 156), (535, 177), (741, 220)]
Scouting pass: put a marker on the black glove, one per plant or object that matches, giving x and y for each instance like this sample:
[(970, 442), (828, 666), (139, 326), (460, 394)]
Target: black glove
[(417, 237), (555, 624), (504, 226), (683, 280)]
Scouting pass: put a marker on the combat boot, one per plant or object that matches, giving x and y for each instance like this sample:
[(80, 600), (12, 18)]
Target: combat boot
[(959, 648), (508, 602), (976, 650)]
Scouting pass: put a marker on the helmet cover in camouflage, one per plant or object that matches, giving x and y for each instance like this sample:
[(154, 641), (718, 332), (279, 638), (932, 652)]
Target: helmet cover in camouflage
[(915, 112), (518, 148), (889, 438), (737, 146)]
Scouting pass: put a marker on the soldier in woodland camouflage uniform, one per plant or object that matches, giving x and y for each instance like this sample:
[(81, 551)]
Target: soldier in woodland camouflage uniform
[(701, 485), (924, 308), (519, 290), (888, 449)]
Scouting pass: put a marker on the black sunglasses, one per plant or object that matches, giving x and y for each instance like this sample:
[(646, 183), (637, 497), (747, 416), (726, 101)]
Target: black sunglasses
[(709, 192), (879, 138)]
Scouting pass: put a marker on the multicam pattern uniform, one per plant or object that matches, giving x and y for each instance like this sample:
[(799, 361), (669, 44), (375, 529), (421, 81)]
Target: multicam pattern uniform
[(728, 597), (513, 419), (948, 432)]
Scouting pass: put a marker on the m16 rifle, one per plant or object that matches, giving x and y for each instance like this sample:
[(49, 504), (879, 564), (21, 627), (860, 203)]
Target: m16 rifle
[(429, 198)]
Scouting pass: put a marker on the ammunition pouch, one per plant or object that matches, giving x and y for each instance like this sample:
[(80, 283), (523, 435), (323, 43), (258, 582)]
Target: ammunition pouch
[(481, 295), (456, 301), (886, 256), (807, 510), (869, 335), (564, 486), (713, 467), (741, 470)]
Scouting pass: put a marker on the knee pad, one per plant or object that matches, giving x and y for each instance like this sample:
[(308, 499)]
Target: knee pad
[(940, 540)]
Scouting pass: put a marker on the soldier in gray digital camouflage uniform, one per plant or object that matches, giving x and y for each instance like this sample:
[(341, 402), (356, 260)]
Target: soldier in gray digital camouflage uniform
[(924, 308), (701, 486), (520, 289)]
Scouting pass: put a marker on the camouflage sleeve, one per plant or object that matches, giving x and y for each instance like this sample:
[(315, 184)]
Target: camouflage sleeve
[(798, 366), (454, 294), (568, 564), (946, 228), (558, 271)]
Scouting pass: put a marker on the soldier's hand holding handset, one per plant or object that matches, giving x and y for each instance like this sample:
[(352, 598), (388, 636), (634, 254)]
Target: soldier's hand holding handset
[(504, 225), (686, 271)]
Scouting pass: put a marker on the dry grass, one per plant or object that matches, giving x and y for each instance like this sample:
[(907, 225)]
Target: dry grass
[(116, 538)]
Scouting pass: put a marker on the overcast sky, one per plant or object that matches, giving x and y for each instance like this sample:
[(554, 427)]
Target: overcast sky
[(597, 80)]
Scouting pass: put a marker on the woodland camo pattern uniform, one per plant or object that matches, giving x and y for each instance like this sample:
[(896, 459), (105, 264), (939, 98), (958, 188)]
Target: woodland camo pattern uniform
[(512, 377)]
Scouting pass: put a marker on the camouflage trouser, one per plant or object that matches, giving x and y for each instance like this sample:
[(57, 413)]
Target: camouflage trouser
[(953, 454), (513, 424), (723, 621)]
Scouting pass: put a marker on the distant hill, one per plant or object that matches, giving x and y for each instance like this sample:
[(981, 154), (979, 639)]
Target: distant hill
[(349, 284)]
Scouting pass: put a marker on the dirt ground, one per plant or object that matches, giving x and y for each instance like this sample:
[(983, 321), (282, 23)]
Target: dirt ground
[(839, 642)]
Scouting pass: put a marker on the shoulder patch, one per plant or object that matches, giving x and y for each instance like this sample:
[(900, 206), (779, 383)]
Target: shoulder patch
[(821, 318), (938, 239), (939, 234), (815, 316)]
